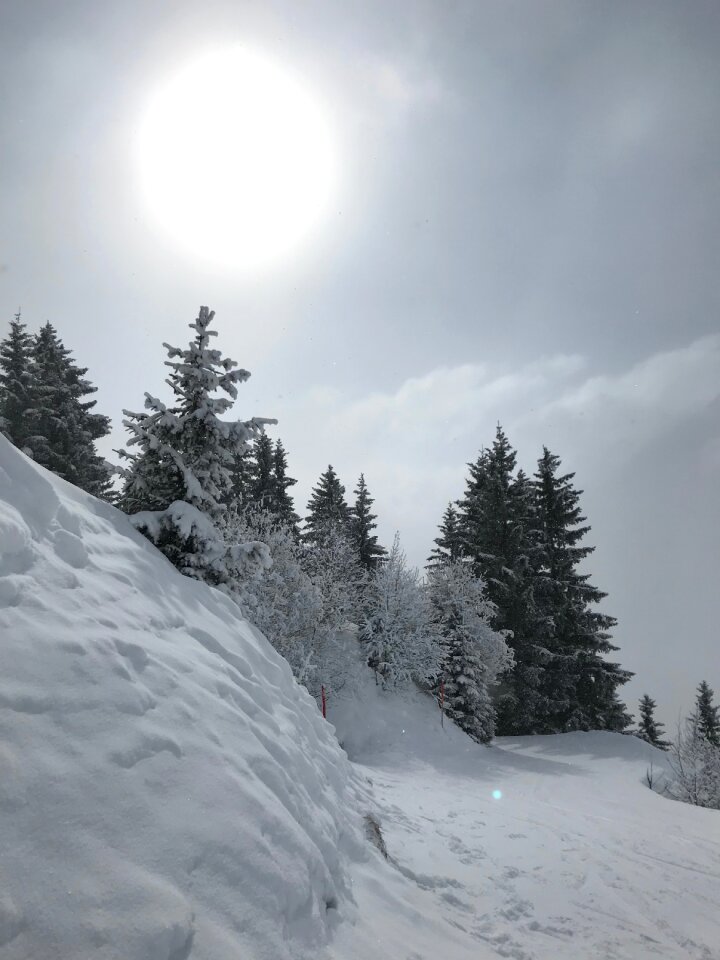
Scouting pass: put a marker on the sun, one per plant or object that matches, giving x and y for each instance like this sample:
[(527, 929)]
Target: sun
[(236, 160)]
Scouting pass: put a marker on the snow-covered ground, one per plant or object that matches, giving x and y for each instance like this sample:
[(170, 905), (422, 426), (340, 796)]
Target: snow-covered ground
[(168, 792), (539, 848)]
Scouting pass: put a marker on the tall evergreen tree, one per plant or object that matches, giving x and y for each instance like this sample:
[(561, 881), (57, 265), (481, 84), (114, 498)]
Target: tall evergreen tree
[(179, 481), (650, 729), (579, 684), (261, 484), (448, 545), (241, 476), (15, 382), (362, 524), (496, 523), (705, 716), (282, 501), (327, 509), (61, 429)]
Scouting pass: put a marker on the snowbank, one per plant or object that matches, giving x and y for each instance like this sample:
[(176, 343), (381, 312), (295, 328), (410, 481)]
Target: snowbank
[(166, 789)]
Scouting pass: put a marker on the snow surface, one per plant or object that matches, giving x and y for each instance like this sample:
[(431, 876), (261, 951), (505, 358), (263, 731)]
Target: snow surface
[(166, 788), (538, 848), (168, 792)]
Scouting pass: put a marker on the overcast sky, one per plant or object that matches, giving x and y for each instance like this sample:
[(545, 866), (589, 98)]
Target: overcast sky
[(525, 230)]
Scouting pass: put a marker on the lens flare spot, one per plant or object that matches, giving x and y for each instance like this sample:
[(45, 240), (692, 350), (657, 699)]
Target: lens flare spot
[(497, 794)]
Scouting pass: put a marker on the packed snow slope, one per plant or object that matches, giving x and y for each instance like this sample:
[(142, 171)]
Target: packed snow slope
[(536, 848), (166, 788)]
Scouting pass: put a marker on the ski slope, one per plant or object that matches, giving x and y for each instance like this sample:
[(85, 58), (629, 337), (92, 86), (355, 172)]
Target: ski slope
[(167, 791), (539, 848)]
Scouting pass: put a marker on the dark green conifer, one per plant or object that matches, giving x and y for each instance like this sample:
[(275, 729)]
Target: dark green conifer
[(262, 482), (61, 429), (15, 382), (282, 501), (362, 524), (448, 545), (579, 683), (496, 522), (650, 729), (328, 511), (705, 717)]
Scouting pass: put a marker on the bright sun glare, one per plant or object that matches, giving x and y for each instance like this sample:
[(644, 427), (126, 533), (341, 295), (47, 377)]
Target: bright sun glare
[(236, 160)]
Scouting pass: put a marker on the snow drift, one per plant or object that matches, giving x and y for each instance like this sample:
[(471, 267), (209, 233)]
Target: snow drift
[(166, 788)]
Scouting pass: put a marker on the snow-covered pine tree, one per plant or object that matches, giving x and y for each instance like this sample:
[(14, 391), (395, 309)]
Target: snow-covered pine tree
[(473, 653), (579, 684), (362, 524), (15, 382), (401, 640), (178, 482), (496, 520), (282, 501), (448, 545), (261, 485), (327, 509), (61, 429), (650, 729), (706, 715)]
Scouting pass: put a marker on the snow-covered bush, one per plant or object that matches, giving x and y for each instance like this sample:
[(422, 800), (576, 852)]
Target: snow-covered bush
[(280, 599), (695, 765), (401, 639), (335, 571), (473, 654), (304, 601)]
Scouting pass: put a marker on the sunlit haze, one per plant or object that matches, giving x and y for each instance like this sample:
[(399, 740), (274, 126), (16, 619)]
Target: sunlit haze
[(235, 159)]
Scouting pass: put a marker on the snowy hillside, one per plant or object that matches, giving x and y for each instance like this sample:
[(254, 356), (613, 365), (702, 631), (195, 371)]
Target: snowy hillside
[(166, 789)]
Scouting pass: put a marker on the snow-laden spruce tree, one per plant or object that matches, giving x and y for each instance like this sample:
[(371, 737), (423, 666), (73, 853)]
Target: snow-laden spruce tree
[(474, 655), (401, 640), (180, 477), (649, 729), (61, 428), (362, 524), (15, 382)]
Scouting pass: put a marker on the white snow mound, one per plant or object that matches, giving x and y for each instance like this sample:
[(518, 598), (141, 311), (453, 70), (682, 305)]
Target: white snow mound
[(166, 788)]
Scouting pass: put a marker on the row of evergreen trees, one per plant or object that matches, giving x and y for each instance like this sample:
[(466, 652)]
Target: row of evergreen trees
[(504, 595), (523, 537), (44, 410), (704, 719)]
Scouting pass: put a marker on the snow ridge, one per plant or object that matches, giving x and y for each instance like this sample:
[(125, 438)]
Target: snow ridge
[(166, 788)]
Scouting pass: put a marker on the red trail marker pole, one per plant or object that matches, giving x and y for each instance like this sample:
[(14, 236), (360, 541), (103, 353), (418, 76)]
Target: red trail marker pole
[(324, 703)]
